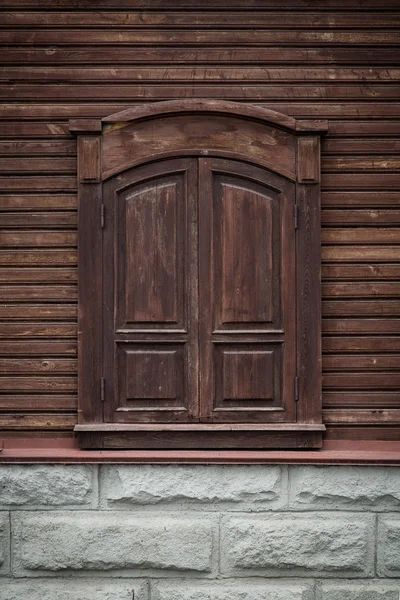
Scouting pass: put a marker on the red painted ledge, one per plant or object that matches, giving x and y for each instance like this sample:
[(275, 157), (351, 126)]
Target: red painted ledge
[(25, 451)]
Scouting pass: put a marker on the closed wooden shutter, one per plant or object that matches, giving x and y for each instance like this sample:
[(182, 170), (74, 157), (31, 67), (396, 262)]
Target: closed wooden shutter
[(150, 294), (199, 281), (205, 302), (247, 293)]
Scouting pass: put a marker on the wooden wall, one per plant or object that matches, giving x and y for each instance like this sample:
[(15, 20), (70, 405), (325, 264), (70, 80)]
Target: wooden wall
[(335, 59)]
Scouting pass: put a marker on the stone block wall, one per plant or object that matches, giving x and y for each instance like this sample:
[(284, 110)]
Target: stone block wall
[(175, 532)]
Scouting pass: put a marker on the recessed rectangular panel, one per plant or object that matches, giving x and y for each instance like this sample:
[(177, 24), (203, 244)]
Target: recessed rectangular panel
[(247, 376), (246, 255), (151, 375), (151, 250)]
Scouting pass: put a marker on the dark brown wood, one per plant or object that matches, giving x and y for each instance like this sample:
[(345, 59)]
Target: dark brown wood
[(335, 60), (201, 37), (252, 19), (308, 256), (247, 236), (210, 437), (121, 55), (150, 286), (90, 300), (154, 268)]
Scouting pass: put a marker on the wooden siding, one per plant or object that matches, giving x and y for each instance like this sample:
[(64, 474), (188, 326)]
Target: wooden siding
[(334, 59)]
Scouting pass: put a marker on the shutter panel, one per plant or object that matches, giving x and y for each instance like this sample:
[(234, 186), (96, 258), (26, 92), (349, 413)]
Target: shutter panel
[(150, 294), (247, 294)]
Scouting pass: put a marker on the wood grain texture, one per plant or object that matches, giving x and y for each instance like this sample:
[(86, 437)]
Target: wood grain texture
[(335, 59)]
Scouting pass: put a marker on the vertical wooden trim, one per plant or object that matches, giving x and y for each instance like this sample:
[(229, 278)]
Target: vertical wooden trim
[(308, 159), (308, 246), (206, 288), (89, 279), (89, 163)]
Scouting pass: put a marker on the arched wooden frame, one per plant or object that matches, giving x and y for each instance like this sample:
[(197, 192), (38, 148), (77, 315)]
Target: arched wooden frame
[(282, 144)]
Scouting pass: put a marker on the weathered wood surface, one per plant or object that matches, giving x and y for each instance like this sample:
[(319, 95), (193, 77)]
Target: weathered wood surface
[(331, 59)]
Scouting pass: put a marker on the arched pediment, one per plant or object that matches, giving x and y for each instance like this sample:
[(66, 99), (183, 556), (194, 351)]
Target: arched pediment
[(218, 128)]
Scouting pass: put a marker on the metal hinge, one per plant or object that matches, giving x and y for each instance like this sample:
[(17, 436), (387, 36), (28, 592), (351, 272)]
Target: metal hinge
[(296, 389), (296, 216), (102, 388), (102, 212)]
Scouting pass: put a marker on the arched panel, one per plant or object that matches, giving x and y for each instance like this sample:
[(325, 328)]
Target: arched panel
[(198, 134)]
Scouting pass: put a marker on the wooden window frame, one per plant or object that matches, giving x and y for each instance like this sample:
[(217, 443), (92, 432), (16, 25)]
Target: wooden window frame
[(95, 165)]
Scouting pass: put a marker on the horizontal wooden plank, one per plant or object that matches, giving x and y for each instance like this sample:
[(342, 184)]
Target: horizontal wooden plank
[(37, 365), (372, 145), (42, 275), (200, 19), (41, 348), (363, 128), (164, 74), (361, 253), (31, 202), (36, 130), (358, 289), (38, 312), (39, 384), (40, 293), (365, 198), (218, 37), (365, 308), (41, 147), (37, 238), (361, 362), (368, 216), (380, 381), (35, 402), (361, 271), (364, 398), (359, 235), (362, 344), (35, 330), (45, 258), (317, 110), (39, 165), (362, 326), (368, 433), (355, 5), (223, 88), (360, 163), (368, 181), (362, 416), (36, 183), (48, 421), (191, 55), (39, 219)]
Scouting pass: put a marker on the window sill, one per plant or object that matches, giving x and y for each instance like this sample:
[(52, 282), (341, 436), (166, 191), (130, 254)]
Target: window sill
[(23, 451)]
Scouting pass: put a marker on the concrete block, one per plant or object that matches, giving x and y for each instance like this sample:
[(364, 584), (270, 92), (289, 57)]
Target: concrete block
[(347, 590), (344, 487), (105, 541), (389, 546), (73, 589), (4, 543), (41, 486), (303, 544), (213, 487), (232, 590)]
